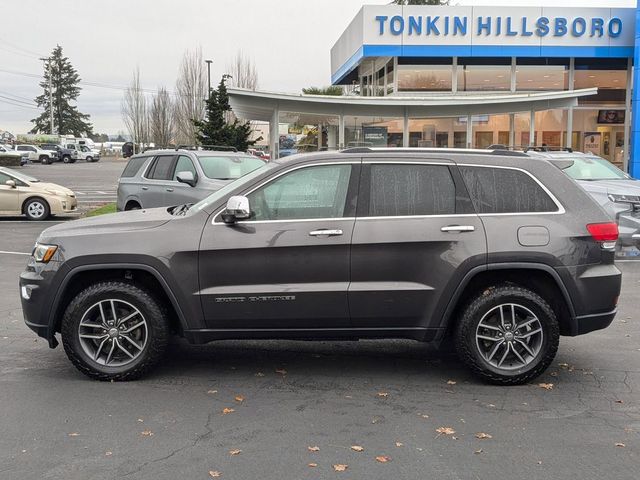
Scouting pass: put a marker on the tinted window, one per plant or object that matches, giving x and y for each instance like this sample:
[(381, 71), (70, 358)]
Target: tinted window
[(312, 192), (184, 164), (161, 168), (500, 190), (221, 167), (133, 167), (398, 190)]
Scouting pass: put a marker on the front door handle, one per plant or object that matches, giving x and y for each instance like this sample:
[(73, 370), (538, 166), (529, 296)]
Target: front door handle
[(145, 188), (169, 189), (325, 232), (458, 228)]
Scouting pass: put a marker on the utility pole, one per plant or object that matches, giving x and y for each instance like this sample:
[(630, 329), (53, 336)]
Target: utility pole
[(50, 97), (209, 62)]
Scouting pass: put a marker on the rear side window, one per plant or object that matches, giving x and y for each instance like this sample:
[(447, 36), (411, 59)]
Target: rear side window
[(501, 190), (161, 169), (133, 167), (402, 189)]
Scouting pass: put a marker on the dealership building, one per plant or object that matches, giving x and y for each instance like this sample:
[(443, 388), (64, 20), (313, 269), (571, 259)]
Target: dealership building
[(471, 77)]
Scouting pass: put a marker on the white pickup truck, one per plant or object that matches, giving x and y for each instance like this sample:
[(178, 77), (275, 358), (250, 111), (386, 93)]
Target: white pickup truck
[(37, 154), (84, 152)]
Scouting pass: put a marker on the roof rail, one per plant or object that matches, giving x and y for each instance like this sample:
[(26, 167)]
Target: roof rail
[(221, 148), (495, 151)]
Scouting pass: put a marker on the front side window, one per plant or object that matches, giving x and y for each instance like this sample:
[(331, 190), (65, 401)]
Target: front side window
[(405, 189), (222, 167), (311, 192), (502, 190), (161, 168), (4, 178), (184, 164)]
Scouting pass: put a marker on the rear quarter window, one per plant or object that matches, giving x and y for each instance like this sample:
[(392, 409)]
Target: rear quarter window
[(503, 190), (133, 167)]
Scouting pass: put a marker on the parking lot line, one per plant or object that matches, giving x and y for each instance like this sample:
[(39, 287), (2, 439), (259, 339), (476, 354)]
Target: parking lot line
[(13, 253)]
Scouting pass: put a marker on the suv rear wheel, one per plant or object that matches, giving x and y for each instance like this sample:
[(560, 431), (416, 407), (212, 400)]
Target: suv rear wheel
[(114, 331), (507, 335)]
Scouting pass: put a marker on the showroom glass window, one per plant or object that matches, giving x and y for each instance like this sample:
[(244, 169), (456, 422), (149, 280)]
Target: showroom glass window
[(424, 74), (480, 74), (542, 74)]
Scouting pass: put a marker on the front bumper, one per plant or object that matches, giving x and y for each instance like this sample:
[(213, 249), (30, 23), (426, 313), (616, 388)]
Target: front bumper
[(629, 228), (66, 204), (36, 285)]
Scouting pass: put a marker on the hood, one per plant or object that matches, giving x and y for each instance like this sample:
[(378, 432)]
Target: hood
[(115, 222), (623, 187), (50, 188)]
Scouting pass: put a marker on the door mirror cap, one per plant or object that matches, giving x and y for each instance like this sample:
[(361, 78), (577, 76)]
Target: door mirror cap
[(186, 177), (10, 183), (237, 209)]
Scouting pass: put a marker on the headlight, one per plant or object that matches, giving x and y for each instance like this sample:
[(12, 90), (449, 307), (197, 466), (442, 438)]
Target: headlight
[(43, 253), (620, 198)]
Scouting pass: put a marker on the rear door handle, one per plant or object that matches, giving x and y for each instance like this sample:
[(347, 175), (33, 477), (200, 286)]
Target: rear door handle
[(325, 232), (145, 188), (169, 189), (458, 228)]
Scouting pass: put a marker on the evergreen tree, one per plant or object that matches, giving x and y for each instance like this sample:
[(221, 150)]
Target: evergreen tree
[(421, 2), (333, 90), (64, 86), (218, 128)]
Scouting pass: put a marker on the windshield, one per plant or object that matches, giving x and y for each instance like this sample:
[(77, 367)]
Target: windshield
[(594, 168), (19, 176), (85, 149), (209, 202), (221, 167)]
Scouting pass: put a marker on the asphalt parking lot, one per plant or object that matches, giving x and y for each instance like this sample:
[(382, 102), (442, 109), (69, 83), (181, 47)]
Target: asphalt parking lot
[(388, 397)]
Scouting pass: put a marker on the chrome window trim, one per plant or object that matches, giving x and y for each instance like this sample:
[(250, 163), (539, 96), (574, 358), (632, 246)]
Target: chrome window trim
[(355, 162), (417, 217), (153, 157), (560, 210)]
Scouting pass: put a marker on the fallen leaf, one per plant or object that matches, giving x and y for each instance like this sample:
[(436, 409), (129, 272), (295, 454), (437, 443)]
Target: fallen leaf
[(141, 420), (399, 444), (281, 371), (314, 449), (357, 448), (563, 365), (239, 398), (546, 386), (108, 454), (312, 465), (619, 401), (147, 433), (482, 435), (445, 430), (554, 374), (491, 405), (24, 451), (539, 462), (478, 452), (424, 415), (259, 374), (214, 474), (348, 396), (620, 444), (383, 458), (73, 434), (227, 410), (235, 452), (451, 382), (340, 467), (212, 391), (383, 394)]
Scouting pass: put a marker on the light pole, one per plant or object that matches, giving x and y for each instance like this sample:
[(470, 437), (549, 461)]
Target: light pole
[(209, 62)]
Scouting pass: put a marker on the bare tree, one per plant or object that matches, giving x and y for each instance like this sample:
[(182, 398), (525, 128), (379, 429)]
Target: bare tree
[(191, 93), (243, 72), (134, 111), (161, 119)]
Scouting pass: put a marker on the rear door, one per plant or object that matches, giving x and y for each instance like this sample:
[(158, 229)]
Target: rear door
[(157, 182), (415, 234)]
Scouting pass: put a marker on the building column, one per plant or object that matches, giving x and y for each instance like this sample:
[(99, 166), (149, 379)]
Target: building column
[(319, 137), (512, 130), (568, 141), (469, 131), (513, 74), (274, 133), (341, 144), (532, 128), (627, 119), (454, 75), (405, 128)]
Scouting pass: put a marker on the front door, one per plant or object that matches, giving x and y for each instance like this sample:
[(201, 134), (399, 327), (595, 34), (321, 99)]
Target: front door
[(9, 196), (415, 232), (288, 266)]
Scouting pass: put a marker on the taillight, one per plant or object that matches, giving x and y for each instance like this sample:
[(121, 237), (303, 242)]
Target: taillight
[(603, 232)]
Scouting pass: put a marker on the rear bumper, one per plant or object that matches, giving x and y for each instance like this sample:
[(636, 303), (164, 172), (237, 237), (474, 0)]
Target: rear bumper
[(597, 321)]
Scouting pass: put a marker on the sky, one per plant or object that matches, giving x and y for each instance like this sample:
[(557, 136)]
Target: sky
[(289, 41)]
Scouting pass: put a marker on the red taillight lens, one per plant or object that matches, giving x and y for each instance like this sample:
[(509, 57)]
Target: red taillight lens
[(603, 232)]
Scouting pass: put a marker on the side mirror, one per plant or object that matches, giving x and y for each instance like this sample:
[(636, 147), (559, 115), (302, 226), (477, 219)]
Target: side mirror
[(10, 183), (237, 209), (186, 177)]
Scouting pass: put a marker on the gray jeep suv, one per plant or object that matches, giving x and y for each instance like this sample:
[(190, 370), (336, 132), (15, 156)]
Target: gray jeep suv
[(161, 178), (497, 251)]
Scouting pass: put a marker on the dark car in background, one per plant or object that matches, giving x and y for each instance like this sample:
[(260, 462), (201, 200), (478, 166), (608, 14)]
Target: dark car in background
[(494, 250)]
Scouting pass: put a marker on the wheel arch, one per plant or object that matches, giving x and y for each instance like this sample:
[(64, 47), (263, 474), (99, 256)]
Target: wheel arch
[(139, 274), (541, 278), (31, 197)]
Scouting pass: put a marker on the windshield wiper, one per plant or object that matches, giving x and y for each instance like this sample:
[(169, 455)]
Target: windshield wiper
[(181, 209)]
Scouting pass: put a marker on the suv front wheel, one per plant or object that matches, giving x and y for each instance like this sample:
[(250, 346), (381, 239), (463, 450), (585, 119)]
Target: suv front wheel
[(114, 331), (507, 335)]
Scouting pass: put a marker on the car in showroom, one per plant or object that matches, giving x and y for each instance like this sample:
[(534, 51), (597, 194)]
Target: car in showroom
[(496, 251), (616, 191), (159, 178), (22, 194)]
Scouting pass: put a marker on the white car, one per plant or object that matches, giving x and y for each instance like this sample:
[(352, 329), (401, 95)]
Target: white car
[(84, 152), (6, 150), (36, 154)]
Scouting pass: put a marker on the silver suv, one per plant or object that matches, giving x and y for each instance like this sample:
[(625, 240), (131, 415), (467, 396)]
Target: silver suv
[(161, 178)]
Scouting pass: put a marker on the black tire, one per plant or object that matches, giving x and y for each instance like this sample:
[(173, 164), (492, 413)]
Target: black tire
[(66, 159), (45, 160), (36, 208), (132, 206), (89, 159), (157, 330), (468, 349)]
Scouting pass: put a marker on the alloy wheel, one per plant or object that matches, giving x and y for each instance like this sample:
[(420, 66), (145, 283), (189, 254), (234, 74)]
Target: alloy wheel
[(36, 209)]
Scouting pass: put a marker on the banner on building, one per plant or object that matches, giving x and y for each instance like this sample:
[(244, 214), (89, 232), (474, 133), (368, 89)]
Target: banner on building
[(592, 142)]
